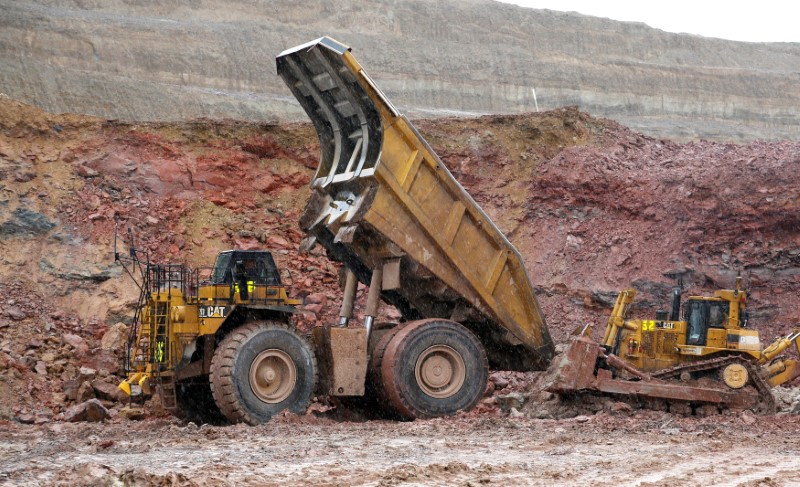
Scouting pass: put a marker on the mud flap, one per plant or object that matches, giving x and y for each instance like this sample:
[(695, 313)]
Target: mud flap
[(342, 357)]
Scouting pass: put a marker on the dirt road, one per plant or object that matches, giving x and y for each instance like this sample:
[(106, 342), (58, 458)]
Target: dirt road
[(647, 449)]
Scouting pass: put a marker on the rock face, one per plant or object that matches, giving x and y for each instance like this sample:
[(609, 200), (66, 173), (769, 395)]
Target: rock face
[(592, 206), (174, 61)]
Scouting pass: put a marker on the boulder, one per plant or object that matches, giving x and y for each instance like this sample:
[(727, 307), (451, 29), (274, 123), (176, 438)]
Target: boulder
[(85, 392), (133, 414), (508, 401), (26, 418), (500, 382), (514, 413), (16, 313), (106, 390), (748, 418), (41, 368), (313, 308), (86, 171), (42, 419), (87, 373), (91, 410), (277, 242), (102, 360), (76, 342), (27, 361), (71, 389), (115, 338), (621, 408), (316, 298)]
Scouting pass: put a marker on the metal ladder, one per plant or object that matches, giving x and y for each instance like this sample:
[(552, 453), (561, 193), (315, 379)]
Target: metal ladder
[(166, 383), (160, 353)]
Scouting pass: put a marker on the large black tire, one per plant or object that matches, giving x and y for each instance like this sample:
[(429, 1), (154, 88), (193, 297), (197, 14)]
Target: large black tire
[(261, 369), (196, 404), (433, 368)]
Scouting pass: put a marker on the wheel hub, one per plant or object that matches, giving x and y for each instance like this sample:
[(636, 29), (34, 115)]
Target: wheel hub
[(272, 376), (440, 371)]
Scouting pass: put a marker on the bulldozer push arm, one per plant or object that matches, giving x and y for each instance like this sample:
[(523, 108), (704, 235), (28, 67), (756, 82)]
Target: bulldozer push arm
[(616, 322), (779, 370), (385, 205)]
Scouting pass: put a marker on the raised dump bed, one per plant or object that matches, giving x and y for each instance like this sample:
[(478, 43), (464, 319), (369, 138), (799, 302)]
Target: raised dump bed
[(383, 200)]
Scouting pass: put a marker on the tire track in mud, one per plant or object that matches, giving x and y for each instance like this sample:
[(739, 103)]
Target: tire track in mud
[(456, 451)]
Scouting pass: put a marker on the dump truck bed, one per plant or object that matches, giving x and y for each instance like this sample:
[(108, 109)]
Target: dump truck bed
[(382, 197)]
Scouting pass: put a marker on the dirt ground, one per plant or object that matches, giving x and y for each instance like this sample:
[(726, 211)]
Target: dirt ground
[(647, 449)]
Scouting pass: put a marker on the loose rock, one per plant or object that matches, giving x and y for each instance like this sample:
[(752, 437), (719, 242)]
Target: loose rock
[(91, 411)]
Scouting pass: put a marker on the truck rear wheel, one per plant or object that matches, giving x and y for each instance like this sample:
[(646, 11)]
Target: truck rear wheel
[(260, 369), (433, 368)]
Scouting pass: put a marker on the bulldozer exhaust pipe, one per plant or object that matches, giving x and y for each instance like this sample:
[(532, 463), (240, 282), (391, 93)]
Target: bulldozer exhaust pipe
[(675, 311)]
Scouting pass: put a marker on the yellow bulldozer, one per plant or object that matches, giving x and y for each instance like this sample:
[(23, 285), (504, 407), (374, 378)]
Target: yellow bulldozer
[(706, 357)]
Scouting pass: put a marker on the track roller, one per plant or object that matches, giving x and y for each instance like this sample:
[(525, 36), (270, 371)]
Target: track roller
[(735, 375)]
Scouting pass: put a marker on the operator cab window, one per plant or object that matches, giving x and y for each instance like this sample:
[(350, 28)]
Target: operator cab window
[(696, 315), (700, 315), (257, 267), (222, 274), (717, 313)]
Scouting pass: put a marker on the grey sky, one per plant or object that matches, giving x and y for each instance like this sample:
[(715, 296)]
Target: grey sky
[(762, 21)]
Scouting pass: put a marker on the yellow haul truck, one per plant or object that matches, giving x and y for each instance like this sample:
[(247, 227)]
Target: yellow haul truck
[(387, 208), (199, 334)]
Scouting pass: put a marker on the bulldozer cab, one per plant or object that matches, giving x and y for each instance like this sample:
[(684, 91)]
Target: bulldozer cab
[(256, 267), (700, 315)]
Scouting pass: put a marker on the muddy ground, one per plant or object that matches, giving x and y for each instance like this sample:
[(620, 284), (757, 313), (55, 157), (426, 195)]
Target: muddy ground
[(646, 449)]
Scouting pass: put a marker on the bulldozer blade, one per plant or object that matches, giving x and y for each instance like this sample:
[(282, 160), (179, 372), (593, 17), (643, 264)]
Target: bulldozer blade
[(676, 392), (573, 370), (585, 367)]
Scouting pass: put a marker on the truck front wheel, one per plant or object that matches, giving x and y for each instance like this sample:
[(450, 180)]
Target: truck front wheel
[(260, 369), (433, 368)]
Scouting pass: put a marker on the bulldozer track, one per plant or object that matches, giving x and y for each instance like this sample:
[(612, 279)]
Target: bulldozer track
[(767, 403)]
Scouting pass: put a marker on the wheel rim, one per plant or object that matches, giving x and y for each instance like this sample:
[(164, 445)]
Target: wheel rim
[(735, 376), (273, 376), (440, 371)]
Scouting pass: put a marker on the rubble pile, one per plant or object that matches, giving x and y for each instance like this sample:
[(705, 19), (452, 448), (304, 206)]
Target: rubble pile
[(53, 365)]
